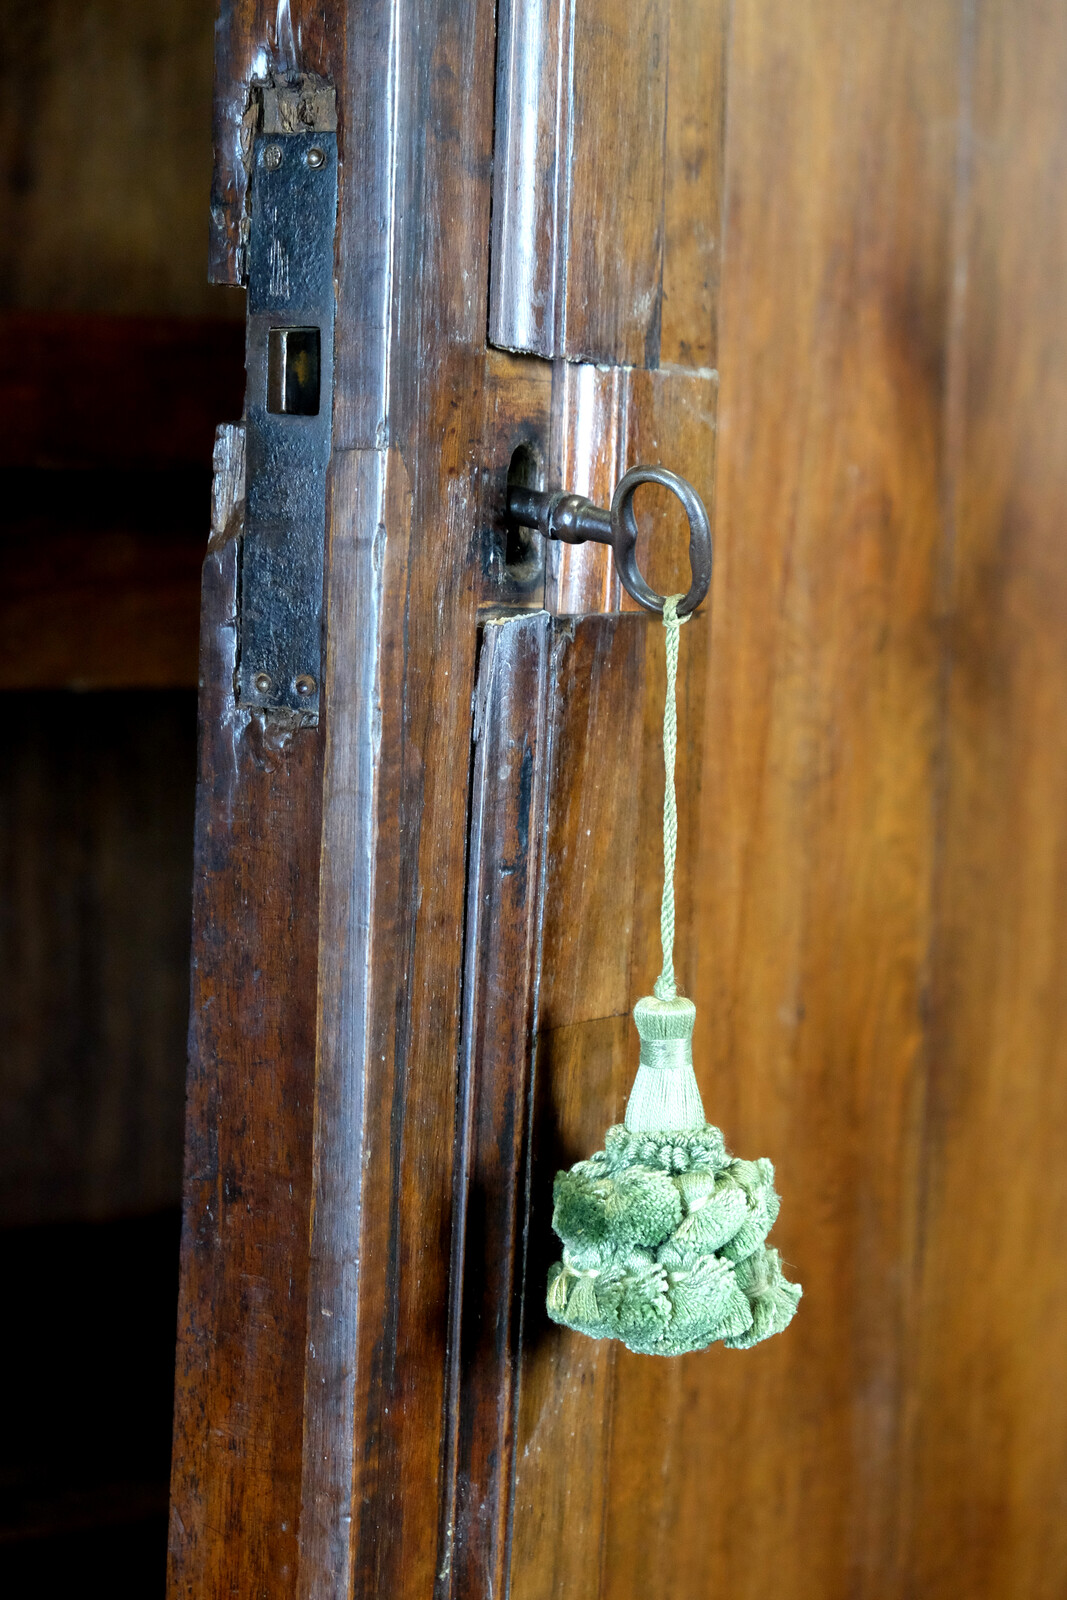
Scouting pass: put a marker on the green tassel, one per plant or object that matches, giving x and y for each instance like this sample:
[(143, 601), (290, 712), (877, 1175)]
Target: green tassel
[(712, 1223), (663, 1231), (664, 1245)]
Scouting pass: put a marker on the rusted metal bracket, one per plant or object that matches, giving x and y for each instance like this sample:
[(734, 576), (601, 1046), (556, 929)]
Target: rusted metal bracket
[(289, 400)]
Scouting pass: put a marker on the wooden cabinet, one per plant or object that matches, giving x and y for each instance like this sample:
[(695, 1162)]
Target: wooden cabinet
[(420, 921)]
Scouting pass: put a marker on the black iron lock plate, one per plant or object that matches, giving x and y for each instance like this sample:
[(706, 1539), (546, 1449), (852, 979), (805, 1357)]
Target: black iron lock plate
[(288, 418)]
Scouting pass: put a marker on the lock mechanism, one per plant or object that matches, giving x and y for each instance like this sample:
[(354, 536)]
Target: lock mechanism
[(289, 262), (573, 519)]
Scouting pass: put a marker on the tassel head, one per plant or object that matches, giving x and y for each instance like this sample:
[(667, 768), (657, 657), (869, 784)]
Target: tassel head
[(665, 1097)]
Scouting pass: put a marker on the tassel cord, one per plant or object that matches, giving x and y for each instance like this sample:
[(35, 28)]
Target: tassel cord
[(665, 987)]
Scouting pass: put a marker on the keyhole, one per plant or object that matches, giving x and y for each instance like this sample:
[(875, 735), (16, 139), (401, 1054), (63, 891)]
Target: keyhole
[(521, 553)]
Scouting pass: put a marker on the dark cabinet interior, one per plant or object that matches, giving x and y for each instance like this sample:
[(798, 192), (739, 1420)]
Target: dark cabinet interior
[(116, 361)]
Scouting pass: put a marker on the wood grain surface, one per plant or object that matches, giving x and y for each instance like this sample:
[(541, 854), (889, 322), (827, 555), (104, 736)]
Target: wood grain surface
[(815, 880), (607, 181), (879, 917), (603, 843), (878, 888), (348, 1474), (582, 97), (870, 902), (990, 1357), (235, 1507), (501, 984), (606, 420)]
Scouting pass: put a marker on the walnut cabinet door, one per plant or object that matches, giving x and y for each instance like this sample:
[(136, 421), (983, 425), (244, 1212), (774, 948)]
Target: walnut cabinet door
[(426, 863), (421, 905)]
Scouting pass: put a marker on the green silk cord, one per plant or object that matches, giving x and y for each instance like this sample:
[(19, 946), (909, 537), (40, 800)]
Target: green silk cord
[(665, 987), (663, 1231), (665, 1092)]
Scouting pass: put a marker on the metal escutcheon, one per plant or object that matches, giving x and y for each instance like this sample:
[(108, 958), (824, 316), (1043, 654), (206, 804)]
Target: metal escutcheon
[(573, 519)]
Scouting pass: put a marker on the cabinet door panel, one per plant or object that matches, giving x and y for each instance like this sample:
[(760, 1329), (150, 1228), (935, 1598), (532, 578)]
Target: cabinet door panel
[(420, 920)]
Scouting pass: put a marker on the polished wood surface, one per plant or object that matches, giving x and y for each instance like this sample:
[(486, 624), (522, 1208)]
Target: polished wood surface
[(883, 770), (583, 107), (870, 770), (606, 419), (606, 189), (509, 793), (986, 1515), (816, 876), (344, 1338), (600, 952), (240, 1370)]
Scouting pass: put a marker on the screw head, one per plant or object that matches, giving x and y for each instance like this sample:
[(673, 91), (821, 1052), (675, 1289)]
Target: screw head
[(272, 157), (305, 685), (262, 683), (316, 157)]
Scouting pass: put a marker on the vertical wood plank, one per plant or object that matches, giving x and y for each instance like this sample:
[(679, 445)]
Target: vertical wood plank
[(349, 802), (504, 907), (364, 1341), (608, 145), (611, 252), (693, 178), (670, 421), (589, 411), (581, 96), (593, 809), (529, 186), (652, 1449), (813, 882), (991, 1353), (240, 1363), (413, 276), (563, 1483), (577, 1472), (585, 1058)]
